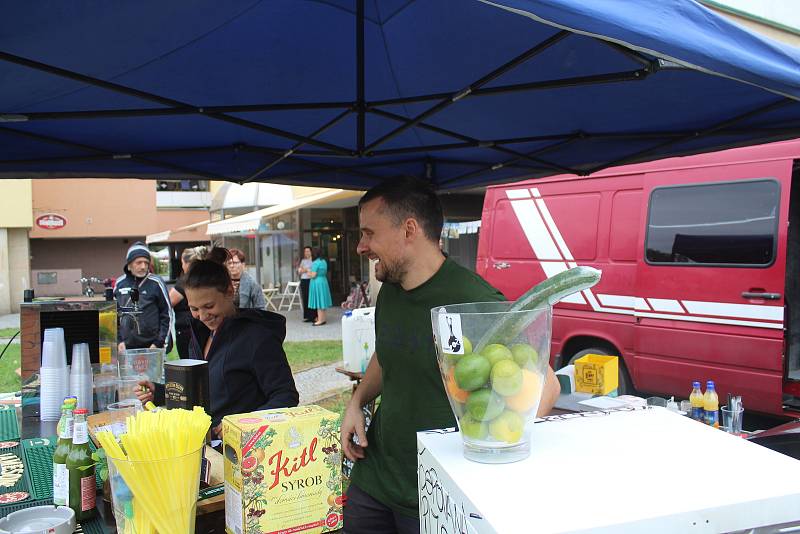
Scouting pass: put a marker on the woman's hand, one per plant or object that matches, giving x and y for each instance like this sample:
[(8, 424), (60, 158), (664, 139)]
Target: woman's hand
[(145, 391), (217, 431)]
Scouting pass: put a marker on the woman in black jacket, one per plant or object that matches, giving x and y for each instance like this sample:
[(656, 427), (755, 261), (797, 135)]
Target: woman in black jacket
[(247, 367)]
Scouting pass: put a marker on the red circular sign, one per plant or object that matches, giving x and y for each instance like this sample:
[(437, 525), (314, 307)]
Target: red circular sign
[(51, 221), (332, 520)]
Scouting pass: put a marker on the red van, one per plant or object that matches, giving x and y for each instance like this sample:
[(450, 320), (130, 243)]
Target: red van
[(701, 268)]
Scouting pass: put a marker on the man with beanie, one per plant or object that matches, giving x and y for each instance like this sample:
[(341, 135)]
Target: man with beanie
[(153, 325)]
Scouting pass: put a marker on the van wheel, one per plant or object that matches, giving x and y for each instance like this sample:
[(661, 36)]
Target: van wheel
[(625, 386)]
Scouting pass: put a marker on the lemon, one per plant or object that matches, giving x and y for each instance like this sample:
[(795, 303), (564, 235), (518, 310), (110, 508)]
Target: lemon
[(483, 405), (507, 426), (472, 428), (472, 372), (528, 395), (506, 377), (496, 352), (524, 353)]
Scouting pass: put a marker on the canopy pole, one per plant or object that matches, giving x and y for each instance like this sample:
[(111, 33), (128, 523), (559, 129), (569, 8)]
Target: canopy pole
[(360, 105)]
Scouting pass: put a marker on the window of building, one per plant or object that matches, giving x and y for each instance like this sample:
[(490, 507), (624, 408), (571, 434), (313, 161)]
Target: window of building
[(732, 223), (182, 185)]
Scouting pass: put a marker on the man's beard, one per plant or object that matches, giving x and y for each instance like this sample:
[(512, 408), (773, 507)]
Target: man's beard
[(393, 273)]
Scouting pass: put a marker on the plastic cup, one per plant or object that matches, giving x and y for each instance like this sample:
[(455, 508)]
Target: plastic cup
[(105, 393), (732, 420), (147, 362), (495, 391), (137, 507), (81, 363), (132, 406), (128, 387), (51, 357)]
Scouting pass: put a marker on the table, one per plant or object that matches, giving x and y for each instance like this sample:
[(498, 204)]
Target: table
[(269, 293), (586, 473)]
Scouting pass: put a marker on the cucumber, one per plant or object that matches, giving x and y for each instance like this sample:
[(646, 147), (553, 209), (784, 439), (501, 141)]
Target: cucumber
[(549, 292)]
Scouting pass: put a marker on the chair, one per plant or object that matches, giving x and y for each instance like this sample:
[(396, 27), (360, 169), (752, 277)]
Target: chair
[(292, 292), (270, 293)]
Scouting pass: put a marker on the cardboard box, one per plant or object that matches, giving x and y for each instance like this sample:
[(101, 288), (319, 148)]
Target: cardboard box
[(598, 374), (283, 471)]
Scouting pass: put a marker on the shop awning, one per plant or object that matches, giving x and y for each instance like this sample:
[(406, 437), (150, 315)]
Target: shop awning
[(251, 221), (162, 237)]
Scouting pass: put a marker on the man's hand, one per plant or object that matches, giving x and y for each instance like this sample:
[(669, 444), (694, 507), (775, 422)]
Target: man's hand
[(353, 425), (145, 391), (153, 346), (217, 431), (121, 347)]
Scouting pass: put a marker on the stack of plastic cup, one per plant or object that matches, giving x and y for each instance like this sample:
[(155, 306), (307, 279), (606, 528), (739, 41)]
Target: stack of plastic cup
[(80, 376), (56, 335), (52, 378)]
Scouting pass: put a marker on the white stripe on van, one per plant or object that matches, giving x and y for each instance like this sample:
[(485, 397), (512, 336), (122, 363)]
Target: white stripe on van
[(535, 230), (666, 305), (745, 311), (548, 219), (618, 301), (551, 251), (517, 194)]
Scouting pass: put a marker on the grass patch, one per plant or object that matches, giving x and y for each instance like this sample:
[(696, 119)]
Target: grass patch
[(304, 355), (337, 403), (9, 381), (8, 332)]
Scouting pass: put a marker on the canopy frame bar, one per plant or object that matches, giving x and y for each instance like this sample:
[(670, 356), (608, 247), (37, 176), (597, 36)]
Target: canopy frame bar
[(360, 91), (117, 88), (711, 130), (297, 145), (452, 98), (105, 154)]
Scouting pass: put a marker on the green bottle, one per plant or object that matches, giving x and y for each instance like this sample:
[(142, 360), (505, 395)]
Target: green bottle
[(60, 473), (60, 426), (80, 468)]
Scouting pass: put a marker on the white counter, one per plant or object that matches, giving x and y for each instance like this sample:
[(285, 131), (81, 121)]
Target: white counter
[(647, 471)]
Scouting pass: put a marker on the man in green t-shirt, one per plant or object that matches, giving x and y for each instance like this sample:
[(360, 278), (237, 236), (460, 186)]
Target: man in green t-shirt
[(401, 222)]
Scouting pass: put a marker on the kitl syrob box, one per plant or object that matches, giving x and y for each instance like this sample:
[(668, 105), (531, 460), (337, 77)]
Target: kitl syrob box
[(283, 471)]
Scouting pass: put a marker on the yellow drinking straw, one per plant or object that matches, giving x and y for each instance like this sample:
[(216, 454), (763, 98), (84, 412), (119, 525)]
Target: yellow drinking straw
[(164, 492)]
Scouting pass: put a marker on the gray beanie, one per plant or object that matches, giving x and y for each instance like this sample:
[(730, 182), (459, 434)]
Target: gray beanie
[(137, 250)]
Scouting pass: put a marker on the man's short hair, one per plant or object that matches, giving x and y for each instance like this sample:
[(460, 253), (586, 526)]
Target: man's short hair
[(410, 197)]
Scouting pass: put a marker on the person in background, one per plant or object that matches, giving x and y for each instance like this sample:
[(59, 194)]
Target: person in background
[(247, 366), (247, 293), (319, 293), (401, 221), (151, 328), (177, 297), (309, 315)]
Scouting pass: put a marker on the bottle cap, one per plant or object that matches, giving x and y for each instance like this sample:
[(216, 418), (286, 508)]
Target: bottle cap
[(81, 411), (696, 384), (710, 384)]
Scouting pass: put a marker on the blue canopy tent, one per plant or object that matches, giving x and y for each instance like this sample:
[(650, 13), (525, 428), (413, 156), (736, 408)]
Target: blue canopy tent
[(348, 93)]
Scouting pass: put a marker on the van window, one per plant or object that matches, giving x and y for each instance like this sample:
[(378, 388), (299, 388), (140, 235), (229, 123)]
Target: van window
[(731, 223)]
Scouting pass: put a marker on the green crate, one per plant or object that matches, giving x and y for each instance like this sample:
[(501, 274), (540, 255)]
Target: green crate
[(93, 526), (39, 465), (9, 429), (23, 483)]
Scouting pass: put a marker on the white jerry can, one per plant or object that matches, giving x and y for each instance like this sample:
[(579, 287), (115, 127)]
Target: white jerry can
[(358, 338)]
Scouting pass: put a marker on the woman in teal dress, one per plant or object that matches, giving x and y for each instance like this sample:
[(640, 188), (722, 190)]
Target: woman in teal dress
[(319, 293)]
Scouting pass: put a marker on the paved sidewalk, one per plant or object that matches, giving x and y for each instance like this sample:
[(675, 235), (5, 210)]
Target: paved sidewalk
[(9, 321), (297, 330)]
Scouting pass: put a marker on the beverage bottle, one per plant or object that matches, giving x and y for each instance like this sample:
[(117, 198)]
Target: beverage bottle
[(60, 473), (60, 426), (711, 405), (696, 399), (80, 466)]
